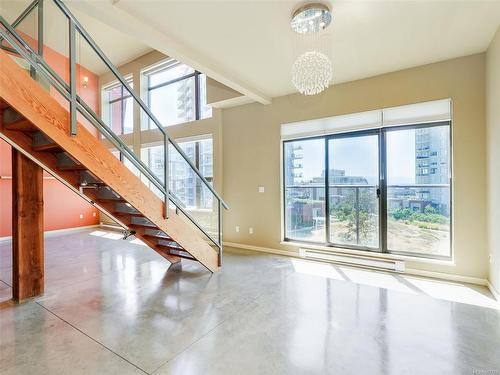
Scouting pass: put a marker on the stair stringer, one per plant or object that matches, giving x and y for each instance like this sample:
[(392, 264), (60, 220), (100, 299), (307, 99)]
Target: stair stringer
[(27, 97)]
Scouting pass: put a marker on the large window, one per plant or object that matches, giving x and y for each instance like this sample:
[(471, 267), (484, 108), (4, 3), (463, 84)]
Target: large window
[(335, 191), (118, 108), (176, 94), (184, 182), (418, 190)]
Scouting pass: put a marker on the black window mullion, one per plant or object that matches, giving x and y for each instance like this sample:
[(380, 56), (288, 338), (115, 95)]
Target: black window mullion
[(197, 101), (172, 81), (327, 192), (383, 192)]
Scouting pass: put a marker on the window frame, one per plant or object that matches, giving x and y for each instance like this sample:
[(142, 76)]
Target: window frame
[(170, 64), (382, 186), (107, 104), (197, 157)]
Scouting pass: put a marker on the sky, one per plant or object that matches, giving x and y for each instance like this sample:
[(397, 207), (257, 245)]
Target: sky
[(358, 156)]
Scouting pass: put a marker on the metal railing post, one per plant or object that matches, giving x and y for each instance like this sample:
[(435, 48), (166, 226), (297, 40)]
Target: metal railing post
[(357, 214), (220, 231), (72, 76), (166, 171), (40, 28)]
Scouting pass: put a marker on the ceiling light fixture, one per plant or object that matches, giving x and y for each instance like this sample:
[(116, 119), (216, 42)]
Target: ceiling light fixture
[(311, 18), (312, 73), (312, 69)]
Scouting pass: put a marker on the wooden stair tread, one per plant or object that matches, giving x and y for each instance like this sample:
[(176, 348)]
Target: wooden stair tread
[(182, 255), (110, 200), (75, 167), (142, 226), (122, 213), (170, 247), (155, 237), (21, 125), (4, 105), (47, 147)]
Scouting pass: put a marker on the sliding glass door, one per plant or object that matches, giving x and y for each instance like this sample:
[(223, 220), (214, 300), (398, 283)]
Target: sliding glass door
[(353, 190), (382, 190)]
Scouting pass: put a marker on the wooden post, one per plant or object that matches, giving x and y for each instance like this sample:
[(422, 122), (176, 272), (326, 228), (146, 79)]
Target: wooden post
[(27, 228)]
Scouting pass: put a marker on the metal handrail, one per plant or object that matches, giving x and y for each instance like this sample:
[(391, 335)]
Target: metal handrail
[(143, 106), (123, 82), (77, 104)]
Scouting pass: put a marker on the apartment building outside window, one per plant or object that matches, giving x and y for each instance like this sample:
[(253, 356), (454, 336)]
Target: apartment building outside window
[(176, 94)]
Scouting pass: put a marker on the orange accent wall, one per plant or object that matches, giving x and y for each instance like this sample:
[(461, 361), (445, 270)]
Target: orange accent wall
[(62, 207)]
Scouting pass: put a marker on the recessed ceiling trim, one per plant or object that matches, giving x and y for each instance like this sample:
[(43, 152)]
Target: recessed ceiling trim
[(123, 21)]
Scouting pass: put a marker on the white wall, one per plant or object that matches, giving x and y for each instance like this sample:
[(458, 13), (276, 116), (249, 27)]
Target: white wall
[(493, 157)]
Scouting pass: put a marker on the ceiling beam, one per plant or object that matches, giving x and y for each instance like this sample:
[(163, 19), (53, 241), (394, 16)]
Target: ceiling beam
[(112, 15)]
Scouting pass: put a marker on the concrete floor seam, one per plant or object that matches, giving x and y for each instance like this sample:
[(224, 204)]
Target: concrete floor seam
[(201, 337), (96, 341)]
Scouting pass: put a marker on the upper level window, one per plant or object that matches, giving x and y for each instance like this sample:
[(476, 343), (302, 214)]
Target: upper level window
[(176, 94), (184, 182), (118, 106)]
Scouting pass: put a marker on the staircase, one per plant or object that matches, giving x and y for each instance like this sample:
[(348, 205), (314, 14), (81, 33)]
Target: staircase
[(34, 123)]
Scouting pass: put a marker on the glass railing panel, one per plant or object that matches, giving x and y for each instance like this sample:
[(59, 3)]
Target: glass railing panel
[(196, 198), (110, 101), (354, 215), (56, 40), (25, 19), (418, 219), (11, 10), (153, 156), (21, 50), (305, 213)]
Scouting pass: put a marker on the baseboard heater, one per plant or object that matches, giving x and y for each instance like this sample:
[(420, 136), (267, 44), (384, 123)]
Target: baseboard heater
[(354, 260)]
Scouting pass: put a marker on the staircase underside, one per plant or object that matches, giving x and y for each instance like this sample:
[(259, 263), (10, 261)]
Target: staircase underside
[(34, 123)]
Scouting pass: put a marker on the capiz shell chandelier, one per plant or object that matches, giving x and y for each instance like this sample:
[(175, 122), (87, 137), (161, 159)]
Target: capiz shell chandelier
[(311, 73), (312, 69)]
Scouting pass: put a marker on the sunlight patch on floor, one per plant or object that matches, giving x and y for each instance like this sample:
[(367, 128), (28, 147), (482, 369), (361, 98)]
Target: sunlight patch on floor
[(439, 289), (106, 234), (137, 241)]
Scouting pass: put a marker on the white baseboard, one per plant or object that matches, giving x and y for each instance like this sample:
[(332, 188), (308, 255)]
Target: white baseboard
[(493, 291), (49, 233), (264, 249), (447, 276), (110, 226), (408, 271)]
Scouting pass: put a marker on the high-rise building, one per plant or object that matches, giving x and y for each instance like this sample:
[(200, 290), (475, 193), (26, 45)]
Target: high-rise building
[(293, 164), (432, 165), (185, 100)]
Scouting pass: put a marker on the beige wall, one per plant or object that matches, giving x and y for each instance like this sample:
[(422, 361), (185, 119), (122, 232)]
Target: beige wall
[(493, 155), (251, 157), (217, 92)]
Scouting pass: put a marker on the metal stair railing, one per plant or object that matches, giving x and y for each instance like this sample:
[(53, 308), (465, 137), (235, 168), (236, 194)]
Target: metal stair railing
[(39, 66)]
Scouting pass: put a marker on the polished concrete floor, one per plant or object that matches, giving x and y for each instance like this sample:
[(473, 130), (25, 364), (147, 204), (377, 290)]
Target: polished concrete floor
[(115, 307)]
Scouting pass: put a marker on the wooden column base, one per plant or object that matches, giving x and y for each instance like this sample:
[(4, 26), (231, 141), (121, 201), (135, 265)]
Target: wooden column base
[(27, 228)]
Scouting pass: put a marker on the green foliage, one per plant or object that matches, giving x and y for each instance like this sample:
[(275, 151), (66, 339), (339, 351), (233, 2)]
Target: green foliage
[(430, 215), (366, 218)]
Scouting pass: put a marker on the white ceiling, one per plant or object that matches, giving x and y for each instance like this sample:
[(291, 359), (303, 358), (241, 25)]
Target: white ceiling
[(119, 47), (251, 41)]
